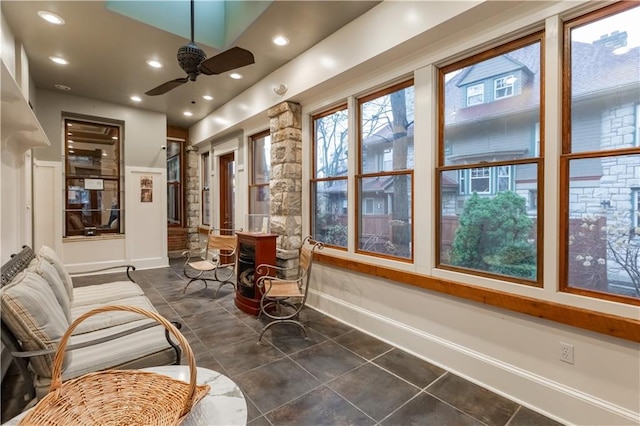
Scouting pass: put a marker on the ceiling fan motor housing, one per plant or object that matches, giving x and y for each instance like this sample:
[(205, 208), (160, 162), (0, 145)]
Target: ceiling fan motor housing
[(189, 57)]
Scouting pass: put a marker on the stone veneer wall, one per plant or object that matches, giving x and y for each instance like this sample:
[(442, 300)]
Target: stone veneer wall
[(285, 187), (192, 195)]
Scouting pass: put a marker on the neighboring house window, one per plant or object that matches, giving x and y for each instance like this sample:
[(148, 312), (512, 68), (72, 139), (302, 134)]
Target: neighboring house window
[(637, 140), (386, 130), (93, 179), (503, 87), (481, 180), (475, 94), (490, 232), (329, 180), (205, 173), (260, 173), (504, 178), (635, 211), (599, 249), (368, 206)]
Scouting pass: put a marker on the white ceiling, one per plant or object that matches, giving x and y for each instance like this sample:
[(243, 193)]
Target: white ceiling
[(107, 52)]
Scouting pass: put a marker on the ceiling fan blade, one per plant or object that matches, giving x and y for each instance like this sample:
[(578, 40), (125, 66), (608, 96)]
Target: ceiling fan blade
[(165, 87), (228, 60)]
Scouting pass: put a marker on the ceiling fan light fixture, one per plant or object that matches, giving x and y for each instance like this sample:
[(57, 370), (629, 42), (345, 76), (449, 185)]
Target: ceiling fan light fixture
[(154, 64), (235, 75), (50, 17), (58, 60)]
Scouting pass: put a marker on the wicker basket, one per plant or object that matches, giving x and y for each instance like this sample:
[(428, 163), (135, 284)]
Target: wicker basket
[(117, 397)]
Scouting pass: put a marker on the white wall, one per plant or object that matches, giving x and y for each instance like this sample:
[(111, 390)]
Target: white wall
[(513, 354), (145, 241)]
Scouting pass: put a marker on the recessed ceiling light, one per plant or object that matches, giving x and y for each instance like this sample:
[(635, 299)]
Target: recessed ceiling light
[(235, 76), (51, 17), (136, 98), (154, 64), (58, 60), (62, 87), (188, 113), (280, 40), (207, 97)]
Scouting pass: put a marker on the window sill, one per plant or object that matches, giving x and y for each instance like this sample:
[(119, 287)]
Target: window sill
[(82, 238), (587, 319)]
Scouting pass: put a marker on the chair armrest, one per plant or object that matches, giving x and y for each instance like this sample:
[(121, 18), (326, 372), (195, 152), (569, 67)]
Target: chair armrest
[(129, 269), (188, 254)]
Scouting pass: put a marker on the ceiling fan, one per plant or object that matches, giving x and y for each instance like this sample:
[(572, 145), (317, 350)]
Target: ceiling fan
[(194, 62)]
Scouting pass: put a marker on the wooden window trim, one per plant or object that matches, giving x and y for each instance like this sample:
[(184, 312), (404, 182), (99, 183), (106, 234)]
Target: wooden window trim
[(567, 155), (586, 319)]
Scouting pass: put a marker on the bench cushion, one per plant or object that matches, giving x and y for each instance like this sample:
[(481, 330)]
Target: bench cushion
[(105, 293), (32, 313), (47, 271), (111, 318), (50, 256)]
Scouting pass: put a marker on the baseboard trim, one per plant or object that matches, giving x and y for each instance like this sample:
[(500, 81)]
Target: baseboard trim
[(555, 400)]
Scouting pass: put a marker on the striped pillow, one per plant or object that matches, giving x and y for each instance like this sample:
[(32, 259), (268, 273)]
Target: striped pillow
[(49, 273), (50, 256), (30, 310)]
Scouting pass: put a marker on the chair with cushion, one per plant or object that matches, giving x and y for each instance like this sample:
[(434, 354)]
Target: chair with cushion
[(285, 295), (215, 262)]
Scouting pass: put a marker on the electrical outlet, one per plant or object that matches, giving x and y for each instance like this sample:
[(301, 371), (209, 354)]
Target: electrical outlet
[(566, 352)]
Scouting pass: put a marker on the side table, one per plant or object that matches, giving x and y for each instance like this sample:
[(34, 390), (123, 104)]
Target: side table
[(224, 404)]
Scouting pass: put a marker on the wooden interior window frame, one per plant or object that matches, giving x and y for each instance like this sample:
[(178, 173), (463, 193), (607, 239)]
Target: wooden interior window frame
[(360, 176), (531, 39), (567, 155), (252, 184), (117, 179), (181, 136), (205, 167), (314, 170)]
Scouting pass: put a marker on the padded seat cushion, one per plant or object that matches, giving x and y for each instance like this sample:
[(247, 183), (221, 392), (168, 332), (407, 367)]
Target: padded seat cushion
[(112, 318), (105, 293)]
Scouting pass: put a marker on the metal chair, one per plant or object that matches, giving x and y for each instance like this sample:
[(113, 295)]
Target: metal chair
[(283, 298), (218, 258)]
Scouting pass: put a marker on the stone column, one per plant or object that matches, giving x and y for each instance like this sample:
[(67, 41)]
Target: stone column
[(285, 188), (192, 209)]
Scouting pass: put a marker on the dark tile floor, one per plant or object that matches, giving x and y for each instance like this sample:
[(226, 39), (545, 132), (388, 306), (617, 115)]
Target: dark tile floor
[(338, 376)]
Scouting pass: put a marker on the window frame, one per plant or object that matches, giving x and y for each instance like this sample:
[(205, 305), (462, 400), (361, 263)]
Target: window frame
[(205, 187), (537, 37), (315, 180), (566, 154), (505, 86), (253, 186), (117, 177)]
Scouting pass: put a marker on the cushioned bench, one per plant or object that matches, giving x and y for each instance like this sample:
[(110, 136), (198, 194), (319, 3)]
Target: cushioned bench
[(38, 302)]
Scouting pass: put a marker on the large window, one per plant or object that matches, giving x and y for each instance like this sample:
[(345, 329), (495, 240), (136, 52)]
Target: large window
[(93, 180), (175, 170), (385, 206), (488, 171), (329, 180), (205, 187), (600, 161), (260, 170)]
